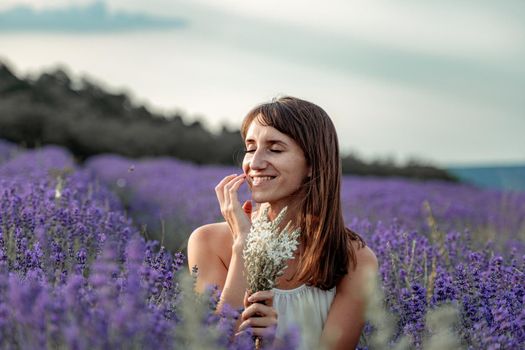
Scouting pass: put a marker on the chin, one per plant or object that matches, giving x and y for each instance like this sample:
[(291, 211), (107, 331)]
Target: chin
[(260, 197), (267, 198)]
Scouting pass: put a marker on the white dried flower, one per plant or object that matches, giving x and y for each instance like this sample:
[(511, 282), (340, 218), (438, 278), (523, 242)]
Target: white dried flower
[(59, 187), (267, 250)]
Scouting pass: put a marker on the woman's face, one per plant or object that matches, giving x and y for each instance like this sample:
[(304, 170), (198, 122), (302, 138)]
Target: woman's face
[(274, 163)]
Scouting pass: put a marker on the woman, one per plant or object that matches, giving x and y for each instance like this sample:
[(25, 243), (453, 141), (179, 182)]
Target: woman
[(292, 160)]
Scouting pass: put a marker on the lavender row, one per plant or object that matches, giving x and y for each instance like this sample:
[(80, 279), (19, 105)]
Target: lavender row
[(47, 206), (420, 273), (74, 271), (170, 197), (7, 150), (76, 263), (494, 214), (437, 243), (173, 197)]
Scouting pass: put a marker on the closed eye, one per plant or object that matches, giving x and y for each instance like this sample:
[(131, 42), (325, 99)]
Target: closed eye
[(253, 151)]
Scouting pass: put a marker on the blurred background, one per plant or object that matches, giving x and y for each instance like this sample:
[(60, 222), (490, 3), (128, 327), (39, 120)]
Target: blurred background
[(427, 90)]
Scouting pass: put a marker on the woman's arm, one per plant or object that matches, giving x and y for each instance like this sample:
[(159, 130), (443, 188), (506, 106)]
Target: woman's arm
[(210, 249), (346, 317), (216, 249)]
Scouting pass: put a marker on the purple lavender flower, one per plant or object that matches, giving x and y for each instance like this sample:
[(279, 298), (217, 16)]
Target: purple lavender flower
[(74, 261)]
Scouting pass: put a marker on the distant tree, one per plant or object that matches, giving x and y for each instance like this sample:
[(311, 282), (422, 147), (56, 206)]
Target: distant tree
[(89, 120)]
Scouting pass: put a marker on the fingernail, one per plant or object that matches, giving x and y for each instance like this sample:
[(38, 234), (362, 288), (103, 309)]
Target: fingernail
[(251, 299)]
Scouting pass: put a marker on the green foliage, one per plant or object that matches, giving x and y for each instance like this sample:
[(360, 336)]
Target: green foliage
[(417, 170), (89, 120)]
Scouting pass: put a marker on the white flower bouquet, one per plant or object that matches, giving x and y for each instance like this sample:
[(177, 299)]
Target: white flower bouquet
[(267, 250)]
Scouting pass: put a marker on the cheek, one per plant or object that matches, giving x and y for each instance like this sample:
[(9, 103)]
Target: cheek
[(299, 180), (298, 166)]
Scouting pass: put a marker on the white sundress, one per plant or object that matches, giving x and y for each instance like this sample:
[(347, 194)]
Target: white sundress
[(306, 307)]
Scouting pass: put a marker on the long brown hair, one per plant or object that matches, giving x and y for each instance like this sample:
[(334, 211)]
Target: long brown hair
[(326, 242)]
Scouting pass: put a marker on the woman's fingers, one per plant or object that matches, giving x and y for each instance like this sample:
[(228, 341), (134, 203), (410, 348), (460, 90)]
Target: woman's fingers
[(239, 221), (257, 322), (265, 332), (259, 315), (263, 296), (224, 181), (257, 310), (219, 189), (231, 188), (228, 185)]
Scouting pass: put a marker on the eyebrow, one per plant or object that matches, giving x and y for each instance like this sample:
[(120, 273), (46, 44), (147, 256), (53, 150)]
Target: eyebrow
[(270, 142)]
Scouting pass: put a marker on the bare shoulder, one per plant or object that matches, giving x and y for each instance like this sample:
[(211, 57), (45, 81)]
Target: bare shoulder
[(209, 250), (358, 274), (211, 238), (364, 256), (215, 231)]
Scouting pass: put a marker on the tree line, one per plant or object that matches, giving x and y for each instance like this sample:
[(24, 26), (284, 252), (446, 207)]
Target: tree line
[(88, 120)]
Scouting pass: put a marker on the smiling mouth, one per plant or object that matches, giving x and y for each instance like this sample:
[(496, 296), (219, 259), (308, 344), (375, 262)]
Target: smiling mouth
[(260, 180)]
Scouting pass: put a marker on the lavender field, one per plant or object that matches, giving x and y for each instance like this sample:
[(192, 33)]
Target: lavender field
[(76, 273)]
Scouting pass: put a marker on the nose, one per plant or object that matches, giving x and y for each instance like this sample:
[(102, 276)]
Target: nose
[(258, 160)]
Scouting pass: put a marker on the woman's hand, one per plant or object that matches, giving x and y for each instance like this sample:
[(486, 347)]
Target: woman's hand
[(259, 314), (238, 217)]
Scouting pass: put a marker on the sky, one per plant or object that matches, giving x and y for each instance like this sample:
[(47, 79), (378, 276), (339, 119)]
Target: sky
[(442, 81), (79, 19)]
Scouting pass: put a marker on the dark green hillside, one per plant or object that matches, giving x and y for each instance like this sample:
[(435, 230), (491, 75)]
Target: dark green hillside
[(89, 120)]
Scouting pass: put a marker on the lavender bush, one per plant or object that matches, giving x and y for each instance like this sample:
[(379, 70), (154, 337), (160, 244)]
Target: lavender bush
[(75, 272), (170, 197), (492, 214), (7, 150), (438, 243)]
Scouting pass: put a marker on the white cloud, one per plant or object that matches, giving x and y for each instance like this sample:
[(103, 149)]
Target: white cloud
[(427, 27), (39, 4), (431, 27)]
